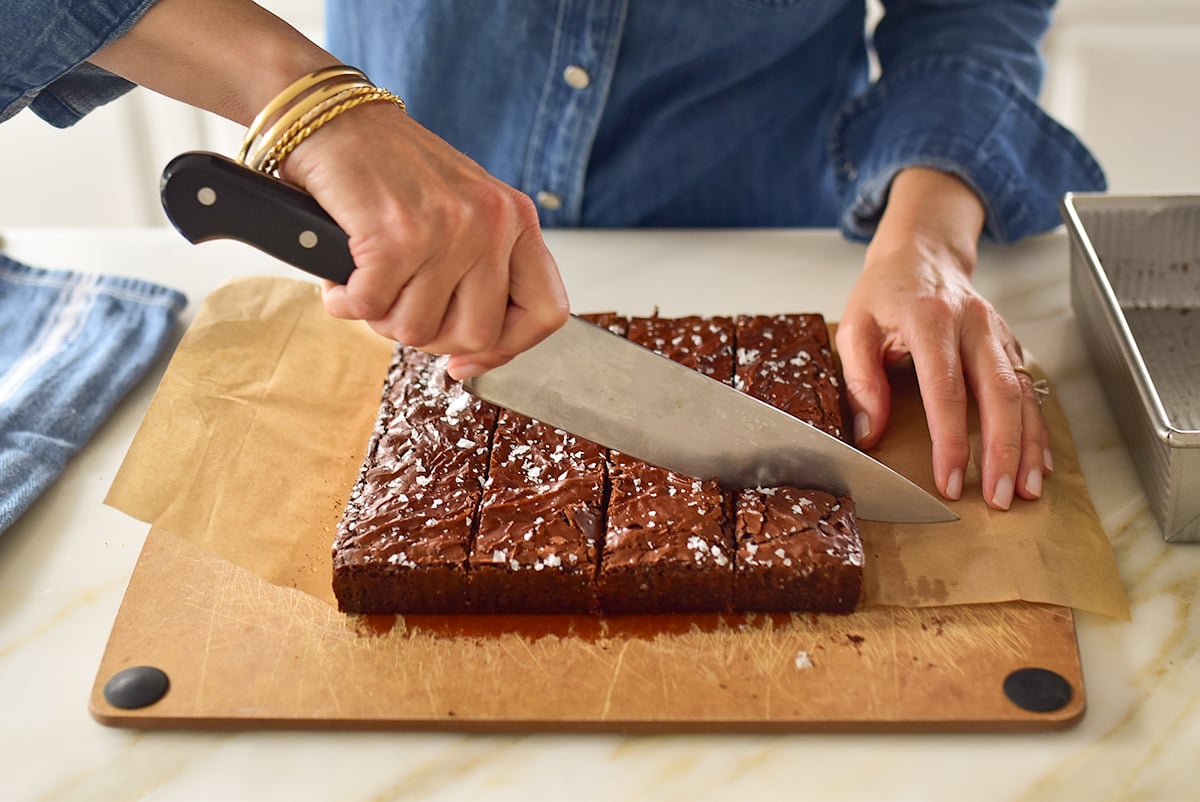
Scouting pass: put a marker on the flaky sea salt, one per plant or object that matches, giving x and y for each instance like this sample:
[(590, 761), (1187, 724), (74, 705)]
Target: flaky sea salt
[(401, 558)]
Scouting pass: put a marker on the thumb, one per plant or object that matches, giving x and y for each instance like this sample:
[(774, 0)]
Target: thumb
[(867, 388)]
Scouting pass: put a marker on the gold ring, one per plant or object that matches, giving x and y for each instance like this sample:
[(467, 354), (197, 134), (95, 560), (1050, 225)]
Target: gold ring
[(1041, 387)]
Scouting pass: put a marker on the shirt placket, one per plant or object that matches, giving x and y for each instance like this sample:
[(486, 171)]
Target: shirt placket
[(582, 60)]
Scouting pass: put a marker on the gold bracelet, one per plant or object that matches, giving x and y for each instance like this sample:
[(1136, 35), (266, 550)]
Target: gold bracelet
[(266, 157), (300, 107), (273, 160), (289, 96)]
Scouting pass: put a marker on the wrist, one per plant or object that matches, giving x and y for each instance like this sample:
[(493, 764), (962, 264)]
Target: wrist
[(934, 211)]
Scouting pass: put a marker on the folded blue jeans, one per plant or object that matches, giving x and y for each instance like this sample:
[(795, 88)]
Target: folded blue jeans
[(72, 345)]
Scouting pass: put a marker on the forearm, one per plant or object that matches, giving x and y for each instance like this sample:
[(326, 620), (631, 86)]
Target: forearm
[(229, 57)]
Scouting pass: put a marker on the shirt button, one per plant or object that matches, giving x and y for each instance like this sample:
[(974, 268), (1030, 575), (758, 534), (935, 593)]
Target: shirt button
[(576, 77), (549, 201)]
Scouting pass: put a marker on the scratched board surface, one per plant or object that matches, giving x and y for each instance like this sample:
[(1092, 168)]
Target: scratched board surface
[(243, 653)]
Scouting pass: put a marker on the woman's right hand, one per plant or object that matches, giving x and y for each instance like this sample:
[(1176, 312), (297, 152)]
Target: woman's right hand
[(447, 258)]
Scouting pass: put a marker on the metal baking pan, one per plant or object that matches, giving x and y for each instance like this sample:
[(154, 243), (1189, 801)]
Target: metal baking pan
[(1135, 289)]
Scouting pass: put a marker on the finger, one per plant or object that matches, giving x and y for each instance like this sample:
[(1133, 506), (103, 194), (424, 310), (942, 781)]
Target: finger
[(537, 306), (1035, 441), (475, 313), (944, 395), (868, 391), (417, 316), (999, 395), (373, 287)]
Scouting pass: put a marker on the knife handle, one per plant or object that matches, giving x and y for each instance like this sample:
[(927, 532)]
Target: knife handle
[(207, 196)]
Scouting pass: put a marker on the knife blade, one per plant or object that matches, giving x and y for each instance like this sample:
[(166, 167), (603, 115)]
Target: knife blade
[(583, 378)]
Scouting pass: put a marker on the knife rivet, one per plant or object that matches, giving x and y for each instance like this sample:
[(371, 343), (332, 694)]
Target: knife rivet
[(207, 196), (308, 239)]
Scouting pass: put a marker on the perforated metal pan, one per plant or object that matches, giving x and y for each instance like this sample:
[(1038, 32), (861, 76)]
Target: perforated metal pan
[(1135, 289)]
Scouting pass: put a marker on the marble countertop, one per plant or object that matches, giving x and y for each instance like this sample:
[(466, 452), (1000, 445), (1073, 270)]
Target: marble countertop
[(64, 566)]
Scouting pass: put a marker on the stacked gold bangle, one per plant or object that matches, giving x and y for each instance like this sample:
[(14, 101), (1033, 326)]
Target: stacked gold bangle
[(303, 107)]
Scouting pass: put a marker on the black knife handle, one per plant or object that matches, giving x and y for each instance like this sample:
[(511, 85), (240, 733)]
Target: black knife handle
[(207, 196)]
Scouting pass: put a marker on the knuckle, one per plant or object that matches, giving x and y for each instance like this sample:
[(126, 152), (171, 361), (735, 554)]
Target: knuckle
[(945, 387), (482, 204), (1004, 452), (525, 209), (554, 316), (864, 387), (957, 445), (1007, 390), (476, 338), (418, 334), (366, 306), (934, 307), (492, 200)]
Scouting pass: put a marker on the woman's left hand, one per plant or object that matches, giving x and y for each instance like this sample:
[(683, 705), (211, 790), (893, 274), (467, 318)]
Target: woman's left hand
[(915, 299)]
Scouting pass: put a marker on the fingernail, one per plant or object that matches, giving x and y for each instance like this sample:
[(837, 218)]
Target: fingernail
[(1003, 496), (954, 484), (467, 371), (1048, 461), (1033, 483), (862, 427)]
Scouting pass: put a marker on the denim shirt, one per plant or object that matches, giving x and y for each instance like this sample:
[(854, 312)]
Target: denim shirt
[(44, 45), (686, 113)]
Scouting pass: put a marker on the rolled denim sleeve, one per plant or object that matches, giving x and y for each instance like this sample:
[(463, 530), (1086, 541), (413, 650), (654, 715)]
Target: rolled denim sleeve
[(957, 92), (46, 44)]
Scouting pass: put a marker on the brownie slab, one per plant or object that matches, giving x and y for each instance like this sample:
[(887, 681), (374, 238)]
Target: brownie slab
[(403, 541), (461, 507)]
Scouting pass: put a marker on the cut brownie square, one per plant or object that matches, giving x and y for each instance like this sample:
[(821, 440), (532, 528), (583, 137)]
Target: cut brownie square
[(537, 547), (786, 360), (403, 540), (668, 543), (797, 549)]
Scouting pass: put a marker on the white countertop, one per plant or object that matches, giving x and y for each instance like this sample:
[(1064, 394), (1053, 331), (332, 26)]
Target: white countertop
[(64, 566)]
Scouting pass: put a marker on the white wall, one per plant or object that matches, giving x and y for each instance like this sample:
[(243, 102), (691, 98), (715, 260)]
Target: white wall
[(104, 170), (1121, 74)]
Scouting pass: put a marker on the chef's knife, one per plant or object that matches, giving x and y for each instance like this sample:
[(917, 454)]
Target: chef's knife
[(583, 378)]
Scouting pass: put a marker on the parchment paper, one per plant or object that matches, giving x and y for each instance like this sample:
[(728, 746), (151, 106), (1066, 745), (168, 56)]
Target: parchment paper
[(255, 436)]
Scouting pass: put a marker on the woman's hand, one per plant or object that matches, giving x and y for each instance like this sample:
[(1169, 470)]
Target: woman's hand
[(447, 258), (915, 299)]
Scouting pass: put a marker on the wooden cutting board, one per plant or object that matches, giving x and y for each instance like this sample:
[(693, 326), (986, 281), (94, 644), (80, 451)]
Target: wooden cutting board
[(243, 653)]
